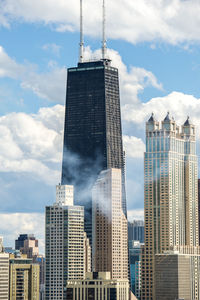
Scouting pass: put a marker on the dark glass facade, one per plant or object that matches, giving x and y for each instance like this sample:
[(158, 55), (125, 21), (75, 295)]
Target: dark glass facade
[(92, 132)]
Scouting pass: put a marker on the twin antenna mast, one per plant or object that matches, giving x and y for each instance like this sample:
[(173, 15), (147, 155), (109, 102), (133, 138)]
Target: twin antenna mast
[(104, 46)]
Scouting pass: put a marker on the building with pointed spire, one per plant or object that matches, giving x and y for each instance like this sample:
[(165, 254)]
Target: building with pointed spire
[(170, 193)]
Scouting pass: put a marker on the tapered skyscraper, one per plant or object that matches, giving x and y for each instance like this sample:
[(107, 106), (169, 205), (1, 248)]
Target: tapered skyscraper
[(92, 132)]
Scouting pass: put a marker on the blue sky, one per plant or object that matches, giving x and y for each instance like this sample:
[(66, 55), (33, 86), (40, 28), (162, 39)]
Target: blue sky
[(158, 57)]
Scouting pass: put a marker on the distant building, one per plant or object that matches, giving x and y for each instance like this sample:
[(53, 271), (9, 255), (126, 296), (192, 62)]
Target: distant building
[(64, 243), (30, 248), (19, 243), (135, 252), (98, 286), (177, 276), (136, 231), (110, 236), (24, 279)]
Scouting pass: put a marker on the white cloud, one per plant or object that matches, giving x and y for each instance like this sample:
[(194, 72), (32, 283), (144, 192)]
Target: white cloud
[(133, 21), (18, 223), (178, 104), (48, 85), (133, 146), (33, 143)]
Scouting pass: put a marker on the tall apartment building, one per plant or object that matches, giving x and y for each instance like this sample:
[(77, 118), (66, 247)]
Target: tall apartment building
[(92, 132), (170, 193), (4, 273), (110, 237), (24, 279), (64, 243), (136, 231)]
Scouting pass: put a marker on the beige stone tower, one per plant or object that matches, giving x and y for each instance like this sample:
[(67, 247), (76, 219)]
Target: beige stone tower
[(110, 251), (170, 193)]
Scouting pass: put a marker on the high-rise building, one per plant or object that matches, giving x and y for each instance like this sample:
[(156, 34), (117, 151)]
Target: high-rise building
[(64, 243), (24, 279), (4, 273), (177, 276), (98, 286), (92, 132), (110, 236), (136, 231), (170, 193)]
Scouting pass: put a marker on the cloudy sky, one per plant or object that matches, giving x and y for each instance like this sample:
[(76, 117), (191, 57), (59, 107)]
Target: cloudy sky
[(156, 46)]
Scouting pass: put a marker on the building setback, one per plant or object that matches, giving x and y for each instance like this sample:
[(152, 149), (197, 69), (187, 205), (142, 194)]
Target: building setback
[(110, 237), (65, 243), (92, 132), (170, 193)]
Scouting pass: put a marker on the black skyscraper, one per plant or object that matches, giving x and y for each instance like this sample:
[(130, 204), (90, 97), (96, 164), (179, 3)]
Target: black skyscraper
[(92, 133)]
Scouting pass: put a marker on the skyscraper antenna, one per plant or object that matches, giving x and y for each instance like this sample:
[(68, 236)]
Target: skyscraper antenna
[(81, 33), (104, 31)]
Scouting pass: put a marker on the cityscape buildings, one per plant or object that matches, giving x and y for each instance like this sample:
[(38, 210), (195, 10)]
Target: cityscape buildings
[(64, 241), (92, 132), (110, 247), (170, 193), (136, 231), (98, 285)]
